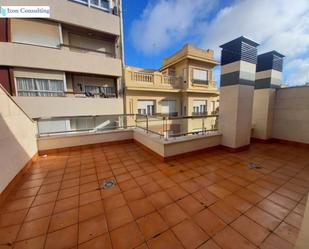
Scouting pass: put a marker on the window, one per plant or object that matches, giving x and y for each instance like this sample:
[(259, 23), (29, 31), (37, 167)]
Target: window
[(146, 107), (200, 76), (168, 106), (199, 107), (101, 4), (39, 87)]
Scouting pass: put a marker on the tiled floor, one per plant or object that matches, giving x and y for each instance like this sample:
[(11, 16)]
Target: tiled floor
[(209, 201)]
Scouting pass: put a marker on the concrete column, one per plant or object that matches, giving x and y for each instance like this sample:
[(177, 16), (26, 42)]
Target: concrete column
[(238, 66), (267, 79)]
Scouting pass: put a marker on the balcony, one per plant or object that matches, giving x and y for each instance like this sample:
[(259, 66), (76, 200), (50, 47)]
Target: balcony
[(152, 81), (73, 13), (18, 55)]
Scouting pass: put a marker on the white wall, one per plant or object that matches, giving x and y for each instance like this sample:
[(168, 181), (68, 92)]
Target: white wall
[(56, 142), (291, 114), (69, 106), (17, 139)]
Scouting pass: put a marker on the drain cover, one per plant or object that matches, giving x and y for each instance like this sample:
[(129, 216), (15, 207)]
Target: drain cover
[(108, 184), (253, 166)]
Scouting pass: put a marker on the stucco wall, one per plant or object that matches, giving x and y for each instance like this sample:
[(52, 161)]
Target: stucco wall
[(17, 139), (57, 142), (68, 106), (291, 114)]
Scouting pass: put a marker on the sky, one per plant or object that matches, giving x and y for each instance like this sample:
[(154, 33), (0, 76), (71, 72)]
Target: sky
[(155, 29)]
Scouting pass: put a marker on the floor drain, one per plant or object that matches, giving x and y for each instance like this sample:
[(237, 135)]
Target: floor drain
[(253, 166), (108, 184)]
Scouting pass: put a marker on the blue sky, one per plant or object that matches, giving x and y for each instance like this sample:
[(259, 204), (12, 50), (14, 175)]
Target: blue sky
[(154, 29)]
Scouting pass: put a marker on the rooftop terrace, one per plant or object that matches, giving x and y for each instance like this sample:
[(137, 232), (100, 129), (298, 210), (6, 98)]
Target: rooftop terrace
[(211, 200)]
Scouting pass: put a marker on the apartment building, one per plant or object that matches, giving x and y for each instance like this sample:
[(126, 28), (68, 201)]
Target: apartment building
[(183, 86), (67, 65)]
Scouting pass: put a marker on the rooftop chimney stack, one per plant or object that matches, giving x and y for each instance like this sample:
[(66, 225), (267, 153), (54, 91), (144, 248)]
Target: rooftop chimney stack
[(238, 66), (269, 70)]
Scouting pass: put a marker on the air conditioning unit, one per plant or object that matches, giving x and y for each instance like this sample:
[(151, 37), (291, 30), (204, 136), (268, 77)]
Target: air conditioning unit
[(115, 11)]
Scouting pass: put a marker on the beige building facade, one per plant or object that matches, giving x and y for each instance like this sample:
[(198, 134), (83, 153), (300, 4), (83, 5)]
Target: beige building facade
[(183, 86), (71, 62)]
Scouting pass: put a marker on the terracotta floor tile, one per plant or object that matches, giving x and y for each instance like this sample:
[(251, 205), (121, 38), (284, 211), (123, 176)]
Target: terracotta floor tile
[(68, 192), (121, 240), (210, 244), (190, 186), (230, 239), (263, 218), (250, 230), (190, 234), (294, 219), (89, 197), (209, 222), (8, 234), (300, 209), (238, 203), (118, 217), (287, 232), (290, 194), (62, 239), (66, 204), (101, 242), (190, 205), (49, 188), (40, 211), (226, 212), (141, 207), (89, 178), (13, 218), (151, 225), (90, 210), (176, 192), (249, 196), (45, 198), (18, 204), (151, 188), (91, 186), (259, 190), (205, 197), (63, 219), (160, 199), (143, 246), (218, 191), (173, 214), (92, 228), (166, 240), (127, 185), (110, 192), (273, 208), (70, 183), (114, 201), (35, 243), (134, 194), (282, 200), (275, 242), (33, 228), (20, 194)]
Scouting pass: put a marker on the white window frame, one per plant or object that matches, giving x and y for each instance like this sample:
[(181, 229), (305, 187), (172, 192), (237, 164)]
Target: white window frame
[(199, 79), (168, 101), (89, 4), (37, 92), (199, 107)]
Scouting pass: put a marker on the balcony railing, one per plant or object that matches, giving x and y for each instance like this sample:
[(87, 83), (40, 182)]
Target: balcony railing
[(142, 77), (163, 126), (156, 79)]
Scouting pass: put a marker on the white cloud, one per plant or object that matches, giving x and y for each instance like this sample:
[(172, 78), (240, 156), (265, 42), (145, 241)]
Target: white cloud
[(281, 25), (166, 21), (297, 71)]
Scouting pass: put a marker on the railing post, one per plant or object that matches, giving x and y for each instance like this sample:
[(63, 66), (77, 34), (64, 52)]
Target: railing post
[(203, 125), (147, 123)]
